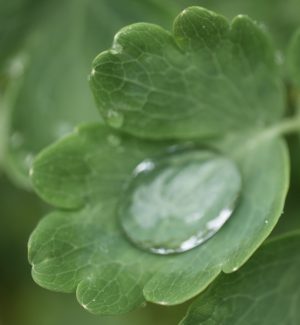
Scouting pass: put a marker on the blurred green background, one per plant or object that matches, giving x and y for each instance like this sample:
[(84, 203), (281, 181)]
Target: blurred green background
[(46, 49)]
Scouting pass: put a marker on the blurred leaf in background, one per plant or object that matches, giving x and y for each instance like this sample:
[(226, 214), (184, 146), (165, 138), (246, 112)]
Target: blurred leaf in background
[(19, 211), (16, 17), (48, 94), (281, 18), (265, 291)]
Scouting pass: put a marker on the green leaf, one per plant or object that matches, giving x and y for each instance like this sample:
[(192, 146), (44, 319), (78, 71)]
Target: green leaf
[(54, 94), (264, 291), (83, 249), (294, 58), (16, 18), (206, 79), (81, 246)]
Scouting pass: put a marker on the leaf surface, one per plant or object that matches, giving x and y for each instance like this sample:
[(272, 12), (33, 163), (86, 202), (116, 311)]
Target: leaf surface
[(264, 291), (83, 248), (208, 78)]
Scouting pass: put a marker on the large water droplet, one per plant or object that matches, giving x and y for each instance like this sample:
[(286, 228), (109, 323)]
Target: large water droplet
[(115, 119), (176, 202)]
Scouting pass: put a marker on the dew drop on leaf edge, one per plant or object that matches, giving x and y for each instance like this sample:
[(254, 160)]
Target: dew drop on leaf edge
[(179, 200), (115, 119)]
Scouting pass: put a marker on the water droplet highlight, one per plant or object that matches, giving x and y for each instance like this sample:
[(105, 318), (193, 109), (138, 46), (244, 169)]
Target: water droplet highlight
[(115, 119), (176, 202)]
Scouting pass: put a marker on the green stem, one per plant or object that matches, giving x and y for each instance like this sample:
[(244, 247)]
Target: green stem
[(286, 126)]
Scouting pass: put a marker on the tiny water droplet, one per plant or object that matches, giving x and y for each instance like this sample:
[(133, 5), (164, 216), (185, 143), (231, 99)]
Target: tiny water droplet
[(62, 129), (115, 119), (16, 140), (114, 140), (28, 160), (93, 72), (16, 66), (84, 306), (117, 48), (279, 58), (262, 26), (177, 201)]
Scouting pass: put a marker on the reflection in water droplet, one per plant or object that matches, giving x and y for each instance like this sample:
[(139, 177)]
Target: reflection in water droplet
[(115, 119), (176, 202), (145, 166)]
